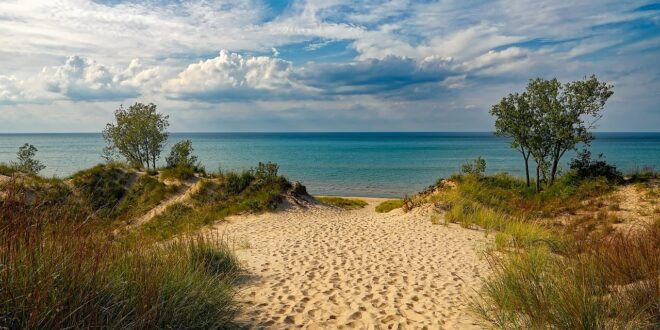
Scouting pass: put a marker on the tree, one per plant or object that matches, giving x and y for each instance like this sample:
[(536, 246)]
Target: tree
[(550, 119), (580, 106), (26, 162), (181, 155), (138, 135), (513, 117)]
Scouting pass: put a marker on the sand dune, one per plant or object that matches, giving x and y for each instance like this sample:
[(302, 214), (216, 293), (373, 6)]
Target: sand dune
[(326, 268)]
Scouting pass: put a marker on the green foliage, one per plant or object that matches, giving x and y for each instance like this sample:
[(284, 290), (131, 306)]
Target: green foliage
[(266, 173), (181, 155), (585, 167), (142, 196), (344, 203), (26, 162), (550, 119), (236, 182), (230, 193), (138, 135), (178, 172), (476, 167), (549, 277), (217, 260), (102, 185), (611, 283), (389, 205), (55, 275)]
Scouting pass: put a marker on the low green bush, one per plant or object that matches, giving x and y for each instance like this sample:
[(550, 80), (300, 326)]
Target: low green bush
[(389, 205), (585, 167), (344, 203)]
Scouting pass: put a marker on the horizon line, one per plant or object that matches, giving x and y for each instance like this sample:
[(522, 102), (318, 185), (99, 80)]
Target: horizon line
[(292, 132)]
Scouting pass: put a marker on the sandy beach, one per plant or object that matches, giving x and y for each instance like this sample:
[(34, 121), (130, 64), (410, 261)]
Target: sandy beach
[(321, 267)]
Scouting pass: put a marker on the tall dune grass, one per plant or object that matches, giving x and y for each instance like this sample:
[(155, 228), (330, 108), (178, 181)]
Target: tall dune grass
[(58, 271), (547, 276)]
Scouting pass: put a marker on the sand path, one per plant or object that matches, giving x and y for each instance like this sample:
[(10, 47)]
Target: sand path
[(183, 195), (326, 268)]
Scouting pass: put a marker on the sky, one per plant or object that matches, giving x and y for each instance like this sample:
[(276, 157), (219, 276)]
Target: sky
[(317, 65)]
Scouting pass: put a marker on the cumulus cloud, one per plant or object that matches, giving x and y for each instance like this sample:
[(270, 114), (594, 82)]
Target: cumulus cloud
[(79, 79), (233, 76), (84, 79)]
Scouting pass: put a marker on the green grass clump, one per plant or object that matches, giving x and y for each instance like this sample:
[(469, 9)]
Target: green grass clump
[(57, 271), (103, 185), (611, 284), (389, 205), (178, 172), (547, 275), (344, 203), (142, 196)]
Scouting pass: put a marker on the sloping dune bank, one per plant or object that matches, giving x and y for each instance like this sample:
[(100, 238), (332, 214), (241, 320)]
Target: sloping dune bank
[(325, 268)]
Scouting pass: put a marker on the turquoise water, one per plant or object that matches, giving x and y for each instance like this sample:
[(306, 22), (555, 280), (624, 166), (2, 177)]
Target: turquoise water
[(358, 164)]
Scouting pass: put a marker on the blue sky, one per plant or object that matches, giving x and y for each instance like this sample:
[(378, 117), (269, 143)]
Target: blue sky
[(326, 65)]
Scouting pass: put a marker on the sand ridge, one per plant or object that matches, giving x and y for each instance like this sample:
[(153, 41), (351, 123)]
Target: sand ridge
[(325, 268)]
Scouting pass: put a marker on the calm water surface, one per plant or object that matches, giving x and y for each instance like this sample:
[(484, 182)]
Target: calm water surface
[(357, 164)]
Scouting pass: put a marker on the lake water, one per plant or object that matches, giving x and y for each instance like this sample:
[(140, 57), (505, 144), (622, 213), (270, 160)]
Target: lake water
[(353, 164)]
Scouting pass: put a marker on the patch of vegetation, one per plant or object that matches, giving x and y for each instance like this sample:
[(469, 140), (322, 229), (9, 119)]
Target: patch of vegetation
[(546, 274), (585, 167), (180, 173), (344, 203), (57, 271), (389, 205), (476, 167), (102, 185), (142, 196), (611, 284), (230, 193)]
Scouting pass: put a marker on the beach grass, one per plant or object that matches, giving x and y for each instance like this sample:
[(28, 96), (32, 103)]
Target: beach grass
[(389, 205), (344, 203), (575, 274), (58, 270)]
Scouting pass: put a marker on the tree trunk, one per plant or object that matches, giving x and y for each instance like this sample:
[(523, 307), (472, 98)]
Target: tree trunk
[(526, 168), (553, 172)]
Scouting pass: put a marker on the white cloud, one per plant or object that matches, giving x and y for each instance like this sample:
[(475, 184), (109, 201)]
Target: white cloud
[(11, 90), (232, 76)]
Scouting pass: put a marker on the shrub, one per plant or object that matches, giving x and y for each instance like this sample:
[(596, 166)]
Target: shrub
[(389, 205), (236, 183), (344, 203), (265, 173), (476, 167), (26, 162), (181, 155), (585, 167)]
